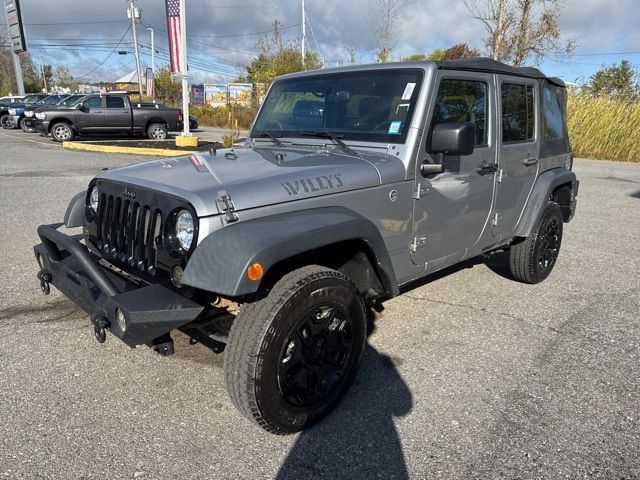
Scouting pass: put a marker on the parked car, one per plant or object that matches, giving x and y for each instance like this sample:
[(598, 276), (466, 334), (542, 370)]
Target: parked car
[(193, 121), (5, 103), (354, 183), (106, 113), (16, 110), (28, 122)]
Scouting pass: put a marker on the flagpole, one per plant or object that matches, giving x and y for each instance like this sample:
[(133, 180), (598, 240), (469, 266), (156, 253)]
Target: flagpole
[(184, 69)]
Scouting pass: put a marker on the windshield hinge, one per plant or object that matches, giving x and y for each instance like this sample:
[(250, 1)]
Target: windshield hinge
[(226, 206)]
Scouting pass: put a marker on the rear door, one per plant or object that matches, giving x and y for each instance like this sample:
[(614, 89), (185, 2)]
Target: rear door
[(451, 209), (518, 151), (117, 114)]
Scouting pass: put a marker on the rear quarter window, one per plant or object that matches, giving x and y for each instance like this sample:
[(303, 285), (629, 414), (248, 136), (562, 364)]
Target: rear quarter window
[(518, 113)]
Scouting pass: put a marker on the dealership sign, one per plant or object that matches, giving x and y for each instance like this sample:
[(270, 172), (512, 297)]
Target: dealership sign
[(14, 21)]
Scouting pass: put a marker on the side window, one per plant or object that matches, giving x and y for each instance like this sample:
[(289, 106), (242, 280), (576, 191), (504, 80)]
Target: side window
[(463, 101), (553, 121), (93, 102), (518, 113), (115, 102)]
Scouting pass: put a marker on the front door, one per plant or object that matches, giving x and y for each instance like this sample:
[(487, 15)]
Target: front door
[(117, 116), (518, 151), (452, 209), (91, 115)]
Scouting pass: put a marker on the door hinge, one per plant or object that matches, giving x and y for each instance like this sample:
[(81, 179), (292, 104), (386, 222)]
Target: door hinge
[(500, 176), (496, 218), (226, 206), (417, 243), (421, 190)]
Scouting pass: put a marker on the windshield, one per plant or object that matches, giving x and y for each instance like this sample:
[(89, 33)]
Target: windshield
[(72, 100), (31, 99), (51, 100), (374, 105)]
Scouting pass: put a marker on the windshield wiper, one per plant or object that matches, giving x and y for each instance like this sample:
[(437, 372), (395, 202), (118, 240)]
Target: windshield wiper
[(336, 139), (271, 136)]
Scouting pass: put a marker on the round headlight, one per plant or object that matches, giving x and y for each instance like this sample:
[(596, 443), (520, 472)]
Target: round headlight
[(93, 199), (184, 229)]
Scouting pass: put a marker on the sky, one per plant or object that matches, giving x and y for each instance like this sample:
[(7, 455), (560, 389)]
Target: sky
[(86, 35)]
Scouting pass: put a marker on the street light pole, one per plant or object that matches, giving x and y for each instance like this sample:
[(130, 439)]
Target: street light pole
[(153, 51), (135, 43)]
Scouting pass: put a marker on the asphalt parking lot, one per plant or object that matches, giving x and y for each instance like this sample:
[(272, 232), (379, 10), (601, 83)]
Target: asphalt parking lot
[(470, 375)]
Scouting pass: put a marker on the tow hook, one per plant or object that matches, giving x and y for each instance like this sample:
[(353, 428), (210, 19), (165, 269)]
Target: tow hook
[(100, 322), (44, 276)]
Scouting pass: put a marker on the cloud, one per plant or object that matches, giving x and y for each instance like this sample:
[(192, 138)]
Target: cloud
[(222, 34)]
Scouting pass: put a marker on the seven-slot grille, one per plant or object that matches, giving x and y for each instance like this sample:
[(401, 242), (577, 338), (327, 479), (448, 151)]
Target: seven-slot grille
[(127, 230)]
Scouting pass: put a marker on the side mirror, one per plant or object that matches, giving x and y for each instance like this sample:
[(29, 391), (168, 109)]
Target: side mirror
[(452, 138), (80, 106)]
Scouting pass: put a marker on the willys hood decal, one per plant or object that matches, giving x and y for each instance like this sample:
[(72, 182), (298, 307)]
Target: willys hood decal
[(259, 177)]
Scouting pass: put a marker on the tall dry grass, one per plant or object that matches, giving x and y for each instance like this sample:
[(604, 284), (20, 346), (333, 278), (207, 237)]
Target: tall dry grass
[(604, 127)]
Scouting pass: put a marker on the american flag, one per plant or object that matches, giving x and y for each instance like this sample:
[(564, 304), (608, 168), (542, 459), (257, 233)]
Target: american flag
[(173, 22), (150, 85)]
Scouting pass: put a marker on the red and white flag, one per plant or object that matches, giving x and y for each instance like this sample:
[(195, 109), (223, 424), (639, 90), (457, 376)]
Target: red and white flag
[(175, 42), (150, 86)]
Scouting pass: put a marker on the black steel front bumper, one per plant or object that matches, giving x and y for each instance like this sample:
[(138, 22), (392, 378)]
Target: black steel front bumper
[(150, 312)]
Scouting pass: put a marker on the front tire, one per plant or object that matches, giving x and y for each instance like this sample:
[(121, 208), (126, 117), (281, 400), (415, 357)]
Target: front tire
[(25, 128), (157, 131), (532, 259), (291, 356), (62, 132)]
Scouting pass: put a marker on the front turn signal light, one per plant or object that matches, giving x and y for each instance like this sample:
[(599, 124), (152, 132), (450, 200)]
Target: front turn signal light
[(255, 272)]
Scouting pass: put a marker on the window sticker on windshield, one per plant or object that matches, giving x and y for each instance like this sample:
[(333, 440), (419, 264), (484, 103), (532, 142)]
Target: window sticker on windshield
[(408, 91), (394, 127)]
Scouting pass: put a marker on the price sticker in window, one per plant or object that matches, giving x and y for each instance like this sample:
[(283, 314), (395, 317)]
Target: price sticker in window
[(408, 91)]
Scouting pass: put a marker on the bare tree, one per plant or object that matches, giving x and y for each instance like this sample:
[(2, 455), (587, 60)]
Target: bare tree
[(522, 31), (384, 22)]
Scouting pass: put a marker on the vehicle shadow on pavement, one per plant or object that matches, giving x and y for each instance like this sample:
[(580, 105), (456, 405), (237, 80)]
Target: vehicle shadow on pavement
[(635, 195), (358, 439)]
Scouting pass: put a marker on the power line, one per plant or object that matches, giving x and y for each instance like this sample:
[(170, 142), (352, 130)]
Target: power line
[(107, 57), (73, 23)]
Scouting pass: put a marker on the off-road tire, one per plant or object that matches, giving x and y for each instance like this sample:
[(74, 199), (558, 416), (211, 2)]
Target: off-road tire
[(254, 352), (157, 131), (527, 260), (56, 130)]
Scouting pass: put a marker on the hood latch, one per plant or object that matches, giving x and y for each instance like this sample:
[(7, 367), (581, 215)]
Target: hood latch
[(225, 205)]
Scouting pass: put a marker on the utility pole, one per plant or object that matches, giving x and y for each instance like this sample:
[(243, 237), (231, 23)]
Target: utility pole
[(44, 78), (16, 61), (184, 70), (153, 52), (304, 33), (132, 12)]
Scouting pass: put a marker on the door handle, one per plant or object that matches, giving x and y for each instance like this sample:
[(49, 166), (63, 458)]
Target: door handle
[(486, 168), (531, 161)]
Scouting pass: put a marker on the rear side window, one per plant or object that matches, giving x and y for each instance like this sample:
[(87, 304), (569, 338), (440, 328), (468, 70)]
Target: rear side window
[(518, 113), (553, 120), (115, 102), (463, 101), (93, 102)]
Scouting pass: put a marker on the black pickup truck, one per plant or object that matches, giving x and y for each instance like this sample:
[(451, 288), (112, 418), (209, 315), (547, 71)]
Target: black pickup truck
[(107, 113)]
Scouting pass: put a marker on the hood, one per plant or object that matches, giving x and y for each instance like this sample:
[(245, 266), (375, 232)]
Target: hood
[(260, 176)]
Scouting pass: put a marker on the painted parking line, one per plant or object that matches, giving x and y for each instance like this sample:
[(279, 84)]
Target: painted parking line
[(29, 140)]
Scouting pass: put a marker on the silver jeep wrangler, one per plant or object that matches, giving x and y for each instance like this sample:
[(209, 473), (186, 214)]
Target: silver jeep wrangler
[(353, 183)]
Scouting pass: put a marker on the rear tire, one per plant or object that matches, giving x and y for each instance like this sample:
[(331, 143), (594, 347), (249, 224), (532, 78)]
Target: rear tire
[(62, 132), (292, 356), (157, 131), (532, 259)]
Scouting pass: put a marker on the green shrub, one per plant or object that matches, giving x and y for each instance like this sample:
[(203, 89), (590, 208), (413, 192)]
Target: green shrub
[(604, 127), (224, 117)]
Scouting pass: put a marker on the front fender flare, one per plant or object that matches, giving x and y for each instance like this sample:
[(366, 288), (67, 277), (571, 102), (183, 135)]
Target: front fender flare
[(542, 190), (74, 216), (220, 261)]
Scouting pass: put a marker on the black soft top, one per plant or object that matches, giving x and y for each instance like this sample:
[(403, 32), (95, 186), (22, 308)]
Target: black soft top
[(484, 64)]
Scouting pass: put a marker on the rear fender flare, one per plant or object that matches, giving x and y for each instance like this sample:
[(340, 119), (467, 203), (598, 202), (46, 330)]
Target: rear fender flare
[(542, 190), (220, 262)]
